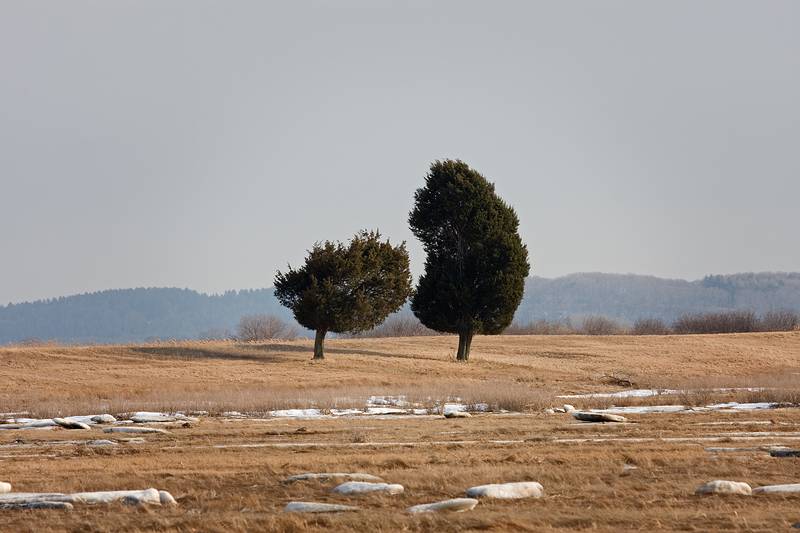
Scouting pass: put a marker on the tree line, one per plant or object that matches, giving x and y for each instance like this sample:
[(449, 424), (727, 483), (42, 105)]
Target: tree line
[(404, 324)]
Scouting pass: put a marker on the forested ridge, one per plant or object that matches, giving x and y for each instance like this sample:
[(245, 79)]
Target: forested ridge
[(135, 315)]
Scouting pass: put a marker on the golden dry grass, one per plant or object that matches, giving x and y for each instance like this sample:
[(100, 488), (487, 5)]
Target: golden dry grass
[(226, 375), (227, 474)]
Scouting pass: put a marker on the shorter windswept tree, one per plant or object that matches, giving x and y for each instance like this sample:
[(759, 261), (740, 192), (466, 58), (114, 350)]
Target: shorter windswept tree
[(346, 288)]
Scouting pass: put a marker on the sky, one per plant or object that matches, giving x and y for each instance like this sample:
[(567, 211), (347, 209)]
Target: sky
[(203, 144)]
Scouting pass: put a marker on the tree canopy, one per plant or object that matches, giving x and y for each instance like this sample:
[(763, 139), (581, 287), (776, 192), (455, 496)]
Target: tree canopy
[(346, 288), (476, 263)]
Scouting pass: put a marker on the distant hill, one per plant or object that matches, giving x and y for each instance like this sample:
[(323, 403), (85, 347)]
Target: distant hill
[(135, 315), (628, 297)]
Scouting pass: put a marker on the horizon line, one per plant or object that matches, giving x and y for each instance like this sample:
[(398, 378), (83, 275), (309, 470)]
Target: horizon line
[(212, 294)]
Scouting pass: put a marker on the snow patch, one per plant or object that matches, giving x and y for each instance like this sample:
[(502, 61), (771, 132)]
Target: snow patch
[(649, 409), (647, 393)]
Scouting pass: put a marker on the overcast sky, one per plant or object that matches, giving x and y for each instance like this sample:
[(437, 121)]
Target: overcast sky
[(205, 144)]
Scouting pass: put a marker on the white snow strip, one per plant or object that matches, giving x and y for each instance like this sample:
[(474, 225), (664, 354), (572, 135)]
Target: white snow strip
[(743, 406), (314, 507), (390, 401), (778, 489), (642, 409), (646, 393), (297, 413), (457, 505), (737, 423), (150, 496), (365, 487), (648, 409), (145, 417), (632, 393), (377, 411)]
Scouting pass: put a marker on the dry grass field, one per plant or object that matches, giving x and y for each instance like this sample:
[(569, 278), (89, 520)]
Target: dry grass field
[(227, 473)]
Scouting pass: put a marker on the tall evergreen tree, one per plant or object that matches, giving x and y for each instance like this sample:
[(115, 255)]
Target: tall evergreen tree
[(346, 288), (476, 262)]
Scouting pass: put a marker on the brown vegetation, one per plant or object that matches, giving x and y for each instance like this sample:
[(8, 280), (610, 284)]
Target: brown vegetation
[(688, 324), (727, 322), (227, 375), (264, 327), (398, 325), (600, 325), (227, 474), (780, 321), (650, 326), (541, 327)]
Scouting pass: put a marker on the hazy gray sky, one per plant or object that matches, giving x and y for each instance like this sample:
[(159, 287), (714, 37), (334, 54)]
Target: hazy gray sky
[(205, 144)]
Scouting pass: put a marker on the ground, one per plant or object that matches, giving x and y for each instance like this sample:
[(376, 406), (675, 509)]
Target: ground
[(227, 473)]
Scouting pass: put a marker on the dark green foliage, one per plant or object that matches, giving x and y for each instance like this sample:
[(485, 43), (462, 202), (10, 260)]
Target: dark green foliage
[(476, 263), (346, 288)]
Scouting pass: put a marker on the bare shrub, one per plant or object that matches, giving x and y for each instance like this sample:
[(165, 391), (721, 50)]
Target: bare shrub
[(723, 322), (601, 325), (783, 320), (264, 327), (650, 326), (399, 325), (541, 327)]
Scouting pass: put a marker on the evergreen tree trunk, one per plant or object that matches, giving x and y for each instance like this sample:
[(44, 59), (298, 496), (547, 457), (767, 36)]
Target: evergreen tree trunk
[(319, 344), (464, 345)]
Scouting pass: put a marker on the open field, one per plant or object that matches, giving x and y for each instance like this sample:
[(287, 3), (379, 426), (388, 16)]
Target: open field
[(227, 472)]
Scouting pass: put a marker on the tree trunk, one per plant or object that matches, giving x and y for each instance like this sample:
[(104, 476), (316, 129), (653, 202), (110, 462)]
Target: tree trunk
[(464, 345), (319, 344)]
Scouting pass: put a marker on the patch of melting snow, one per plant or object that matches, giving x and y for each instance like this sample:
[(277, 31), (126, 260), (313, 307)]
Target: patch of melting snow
[(738, 423), (393, 401), (648, 409), (50, 423), (733, 449), (143, 417), (376, 406), (743, 406), (642, 409), (646, 393), (632, 393), (297, 413)]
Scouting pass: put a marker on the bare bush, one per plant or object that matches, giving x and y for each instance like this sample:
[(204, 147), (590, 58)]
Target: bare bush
[(399, 325), (723, 322), (601, 325), (264, 327), (541, 327), (650, 326), (783, 320)]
